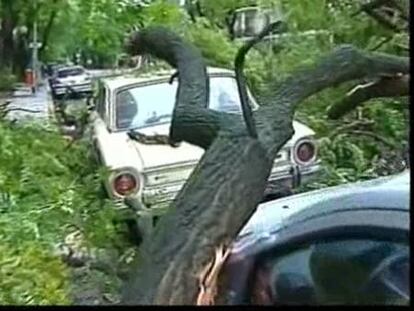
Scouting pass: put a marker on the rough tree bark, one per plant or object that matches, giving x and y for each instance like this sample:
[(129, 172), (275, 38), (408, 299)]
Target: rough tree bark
[(227, 184), (387, 86)]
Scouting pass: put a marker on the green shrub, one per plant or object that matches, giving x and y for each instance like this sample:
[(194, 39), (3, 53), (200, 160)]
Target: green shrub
[(30, 275), (7, 80), (46, 190)]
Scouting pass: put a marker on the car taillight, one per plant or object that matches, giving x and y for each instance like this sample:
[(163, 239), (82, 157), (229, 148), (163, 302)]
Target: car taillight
[(124, 184), (305, 152)]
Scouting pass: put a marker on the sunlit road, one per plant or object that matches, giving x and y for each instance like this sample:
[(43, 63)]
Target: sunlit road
[(23, 99)]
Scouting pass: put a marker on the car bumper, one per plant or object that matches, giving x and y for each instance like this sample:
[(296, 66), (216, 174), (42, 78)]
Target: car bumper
[(280, 184), (78, 88), (156, 200)]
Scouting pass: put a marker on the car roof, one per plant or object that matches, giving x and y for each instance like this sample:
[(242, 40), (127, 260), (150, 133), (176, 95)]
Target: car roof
[(120, 81), (391, 192)]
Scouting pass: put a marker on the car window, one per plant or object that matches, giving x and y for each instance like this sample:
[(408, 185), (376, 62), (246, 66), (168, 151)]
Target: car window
[(354, 272), (153, 104), (63, 73)]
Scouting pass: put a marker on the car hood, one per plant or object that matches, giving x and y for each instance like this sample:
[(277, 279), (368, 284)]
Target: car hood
[(262, 230), (391, 190), (157, 156)]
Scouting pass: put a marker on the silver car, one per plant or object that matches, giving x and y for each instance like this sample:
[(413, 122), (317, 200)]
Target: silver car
[(69, 80)]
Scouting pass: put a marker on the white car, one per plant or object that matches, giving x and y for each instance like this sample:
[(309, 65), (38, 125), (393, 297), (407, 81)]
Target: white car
[(71, 79), (152, 175)]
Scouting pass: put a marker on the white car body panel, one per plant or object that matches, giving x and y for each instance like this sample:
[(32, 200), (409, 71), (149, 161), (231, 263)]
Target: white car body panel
[(163, 169)]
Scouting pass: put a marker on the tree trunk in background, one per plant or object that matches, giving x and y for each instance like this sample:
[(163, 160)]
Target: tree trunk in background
[(6, 41), (48, 29)]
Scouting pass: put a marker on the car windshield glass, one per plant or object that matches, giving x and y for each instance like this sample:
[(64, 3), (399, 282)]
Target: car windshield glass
[(70, 72), (144, 106)]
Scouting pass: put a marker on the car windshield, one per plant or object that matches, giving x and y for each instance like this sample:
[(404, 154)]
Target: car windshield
[(150, 105), (63, 73)]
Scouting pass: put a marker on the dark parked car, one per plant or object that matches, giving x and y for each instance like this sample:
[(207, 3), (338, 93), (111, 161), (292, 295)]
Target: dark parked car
[(347, 244)]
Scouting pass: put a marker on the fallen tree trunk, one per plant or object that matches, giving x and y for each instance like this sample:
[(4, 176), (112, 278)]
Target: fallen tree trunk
[(227, 184)]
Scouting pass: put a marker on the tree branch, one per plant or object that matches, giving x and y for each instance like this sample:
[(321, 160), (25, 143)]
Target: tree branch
[(385, 87), (376, 9), (192, 120), (358, 124), (241, 81), (345, 64), (49, 25), (228, 183), (374, 136)]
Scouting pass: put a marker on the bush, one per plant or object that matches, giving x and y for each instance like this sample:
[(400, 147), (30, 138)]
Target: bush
[(7, 80), (46, 190)]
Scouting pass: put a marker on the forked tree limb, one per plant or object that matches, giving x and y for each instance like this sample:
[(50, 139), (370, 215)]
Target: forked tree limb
[(344, 64), (241, 81), (224, 189)]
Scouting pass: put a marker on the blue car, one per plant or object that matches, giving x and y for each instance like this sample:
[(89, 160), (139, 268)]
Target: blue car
[(343, 245)]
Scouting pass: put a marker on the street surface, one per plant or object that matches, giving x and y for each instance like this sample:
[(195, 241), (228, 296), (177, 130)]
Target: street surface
[(23, 98)]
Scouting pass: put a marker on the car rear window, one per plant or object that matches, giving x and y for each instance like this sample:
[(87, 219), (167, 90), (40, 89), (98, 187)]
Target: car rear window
[(63, 73)]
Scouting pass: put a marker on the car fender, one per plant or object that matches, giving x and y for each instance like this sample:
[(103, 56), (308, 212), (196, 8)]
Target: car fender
[(114, 152)]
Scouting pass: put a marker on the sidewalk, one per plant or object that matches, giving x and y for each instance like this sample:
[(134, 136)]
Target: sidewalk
[(23, 98)]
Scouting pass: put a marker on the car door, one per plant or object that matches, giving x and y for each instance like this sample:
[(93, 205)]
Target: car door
[(348, 251)]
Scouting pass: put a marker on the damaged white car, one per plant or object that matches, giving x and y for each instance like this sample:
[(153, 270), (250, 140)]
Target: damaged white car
[(152, 175)]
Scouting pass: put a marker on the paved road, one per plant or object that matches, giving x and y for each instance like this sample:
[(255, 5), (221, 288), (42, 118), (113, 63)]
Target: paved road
[(41, 101), (23, 99)]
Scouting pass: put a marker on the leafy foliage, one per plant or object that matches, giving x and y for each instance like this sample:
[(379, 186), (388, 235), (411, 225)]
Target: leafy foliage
[(7, 81), (46, 192), (31, 276)]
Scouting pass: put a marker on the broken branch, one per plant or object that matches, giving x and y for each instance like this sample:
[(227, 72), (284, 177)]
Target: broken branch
[(395, 86)]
